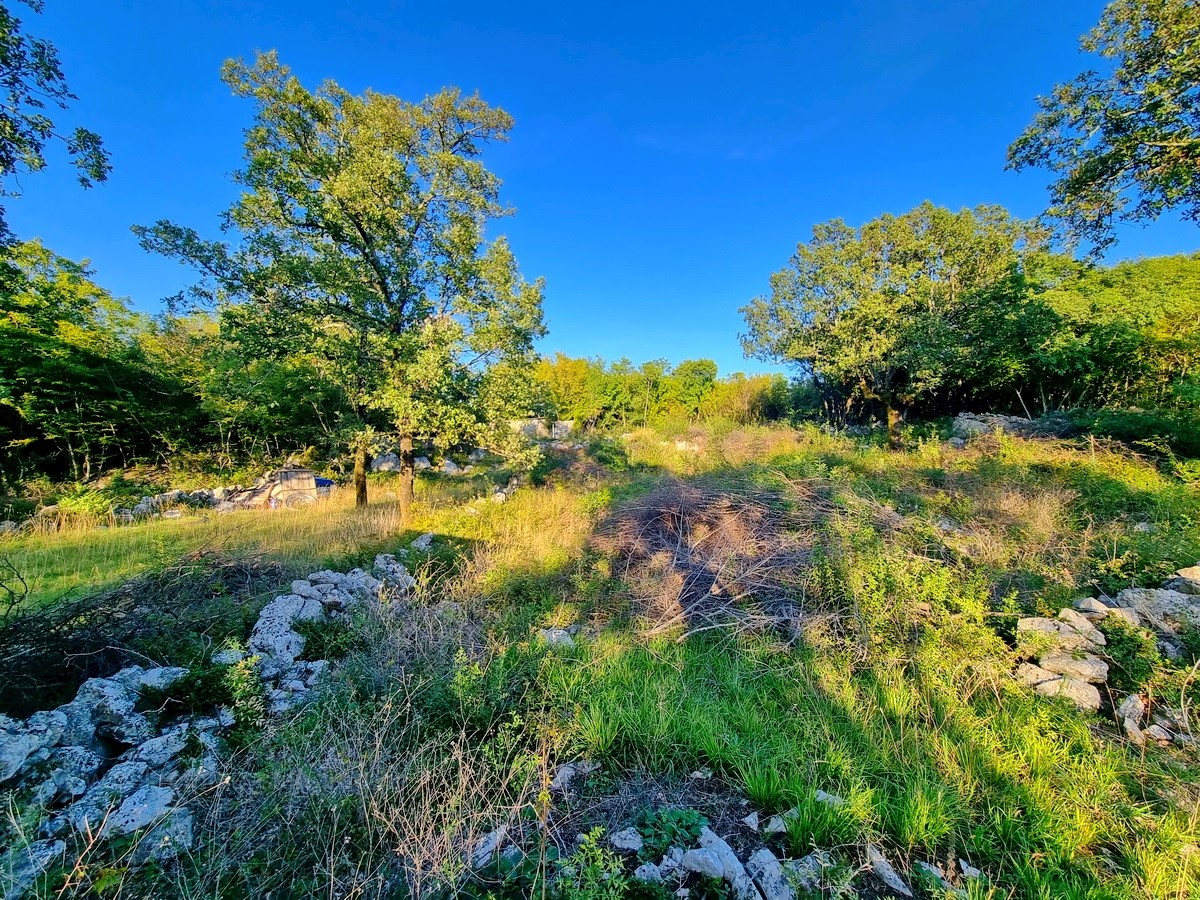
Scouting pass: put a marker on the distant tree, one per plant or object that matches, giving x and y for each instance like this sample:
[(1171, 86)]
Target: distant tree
[(1124, 142), (77, 392), (361, 238), (689, 386), (878, 314), (31, 79)]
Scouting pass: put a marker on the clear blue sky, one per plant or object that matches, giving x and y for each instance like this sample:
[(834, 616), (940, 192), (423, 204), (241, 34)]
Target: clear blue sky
[(666, 157)]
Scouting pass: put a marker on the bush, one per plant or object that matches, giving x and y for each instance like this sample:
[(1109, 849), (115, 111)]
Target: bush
[(664, 828)]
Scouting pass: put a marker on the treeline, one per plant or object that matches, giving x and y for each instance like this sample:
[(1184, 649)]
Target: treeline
[(933, 312), (599, 395), (87, 385)]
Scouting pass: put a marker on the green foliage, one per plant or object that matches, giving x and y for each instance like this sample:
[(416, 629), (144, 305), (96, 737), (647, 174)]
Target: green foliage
[(328, 638), (1122, 137), (1132, 653), (592, 872), (432, 330), (596, 394), (238, 688), (887, 314), (663, 828)]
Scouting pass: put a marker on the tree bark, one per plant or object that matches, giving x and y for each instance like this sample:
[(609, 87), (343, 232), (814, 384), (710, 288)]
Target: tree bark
[(893, 425), (407, 480), (360, 472)]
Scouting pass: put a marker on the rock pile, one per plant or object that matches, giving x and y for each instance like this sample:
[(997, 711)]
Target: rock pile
[(151, 506), (100, 767), (968, 425), (1069, 650)]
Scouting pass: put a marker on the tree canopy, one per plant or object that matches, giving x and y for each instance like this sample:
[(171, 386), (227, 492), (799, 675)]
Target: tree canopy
[(884, 314), (360, 234), (1123, 140)]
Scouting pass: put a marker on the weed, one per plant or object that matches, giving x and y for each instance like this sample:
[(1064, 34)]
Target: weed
[(328, 638), (592, 872), (665, 828)]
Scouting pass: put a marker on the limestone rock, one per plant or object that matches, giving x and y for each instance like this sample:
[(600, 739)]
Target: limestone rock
[(764, 868), (227, 657), (118, 783), (751, 821), (1163, 610), (166, 840), (1089, 668), (731, 867), (423, 543), (1082, 694), (386, 462), (1028, 673), (703, 862), (143, 807), (934, 873), (23, 865), (648, 872), (1038, 630), (1090, 608), (20, 740), (488, 846), (809, 873), (557, 638), (1080, 623), (627, 841), (884, 872), (1132, 707), (567, 772)]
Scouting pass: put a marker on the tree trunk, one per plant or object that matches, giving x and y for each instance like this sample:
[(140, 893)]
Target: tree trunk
[(407, 480), (360, 472), (893, 425)]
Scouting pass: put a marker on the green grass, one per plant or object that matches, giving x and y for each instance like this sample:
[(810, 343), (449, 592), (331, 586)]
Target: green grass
[(899, 698)]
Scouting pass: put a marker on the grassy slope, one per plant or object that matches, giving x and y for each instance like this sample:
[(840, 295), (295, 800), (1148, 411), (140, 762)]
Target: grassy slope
[(902, 704)]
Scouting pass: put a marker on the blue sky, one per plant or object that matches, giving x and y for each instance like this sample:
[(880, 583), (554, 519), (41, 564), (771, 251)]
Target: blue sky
[(666, 157)]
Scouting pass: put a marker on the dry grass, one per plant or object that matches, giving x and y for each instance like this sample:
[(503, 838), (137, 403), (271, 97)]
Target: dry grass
[(706, 557)]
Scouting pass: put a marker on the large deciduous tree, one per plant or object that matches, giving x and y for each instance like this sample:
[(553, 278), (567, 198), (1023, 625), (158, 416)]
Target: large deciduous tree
[(1124, 141), (360, 234), (886, 314), (31, 80)]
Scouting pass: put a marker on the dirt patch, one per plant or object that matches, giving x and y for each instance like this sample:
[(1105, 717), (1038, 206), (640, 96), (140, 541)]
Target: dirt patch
[(707, 556)]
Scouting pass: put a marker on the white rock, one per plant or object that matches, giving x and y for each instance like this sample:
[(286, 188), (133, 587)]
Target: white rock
[(671, 862), (703, 862), (764, 868), (627, 840), (143, 808), (1082, 694), (557, 638), (159, 751), (423, 543), (1132, 707), (1162, 609), (1129, 616), (751, 821), (20, 740), (648, 872), (488, 846), (23, 865), (421, 463), (1090, 608), (1159, 733), (809, 873), (118, 783), (968, 870), (305, 588), (227, 657), (935, 873), (1089, 668), (166, 840), (450, 467), (731, 867), (883, 870), (160, 678)]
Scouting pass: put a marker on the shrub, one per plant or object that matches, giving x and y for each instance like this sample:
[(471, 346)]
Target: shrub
[(1132, 652), (328, 638)]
